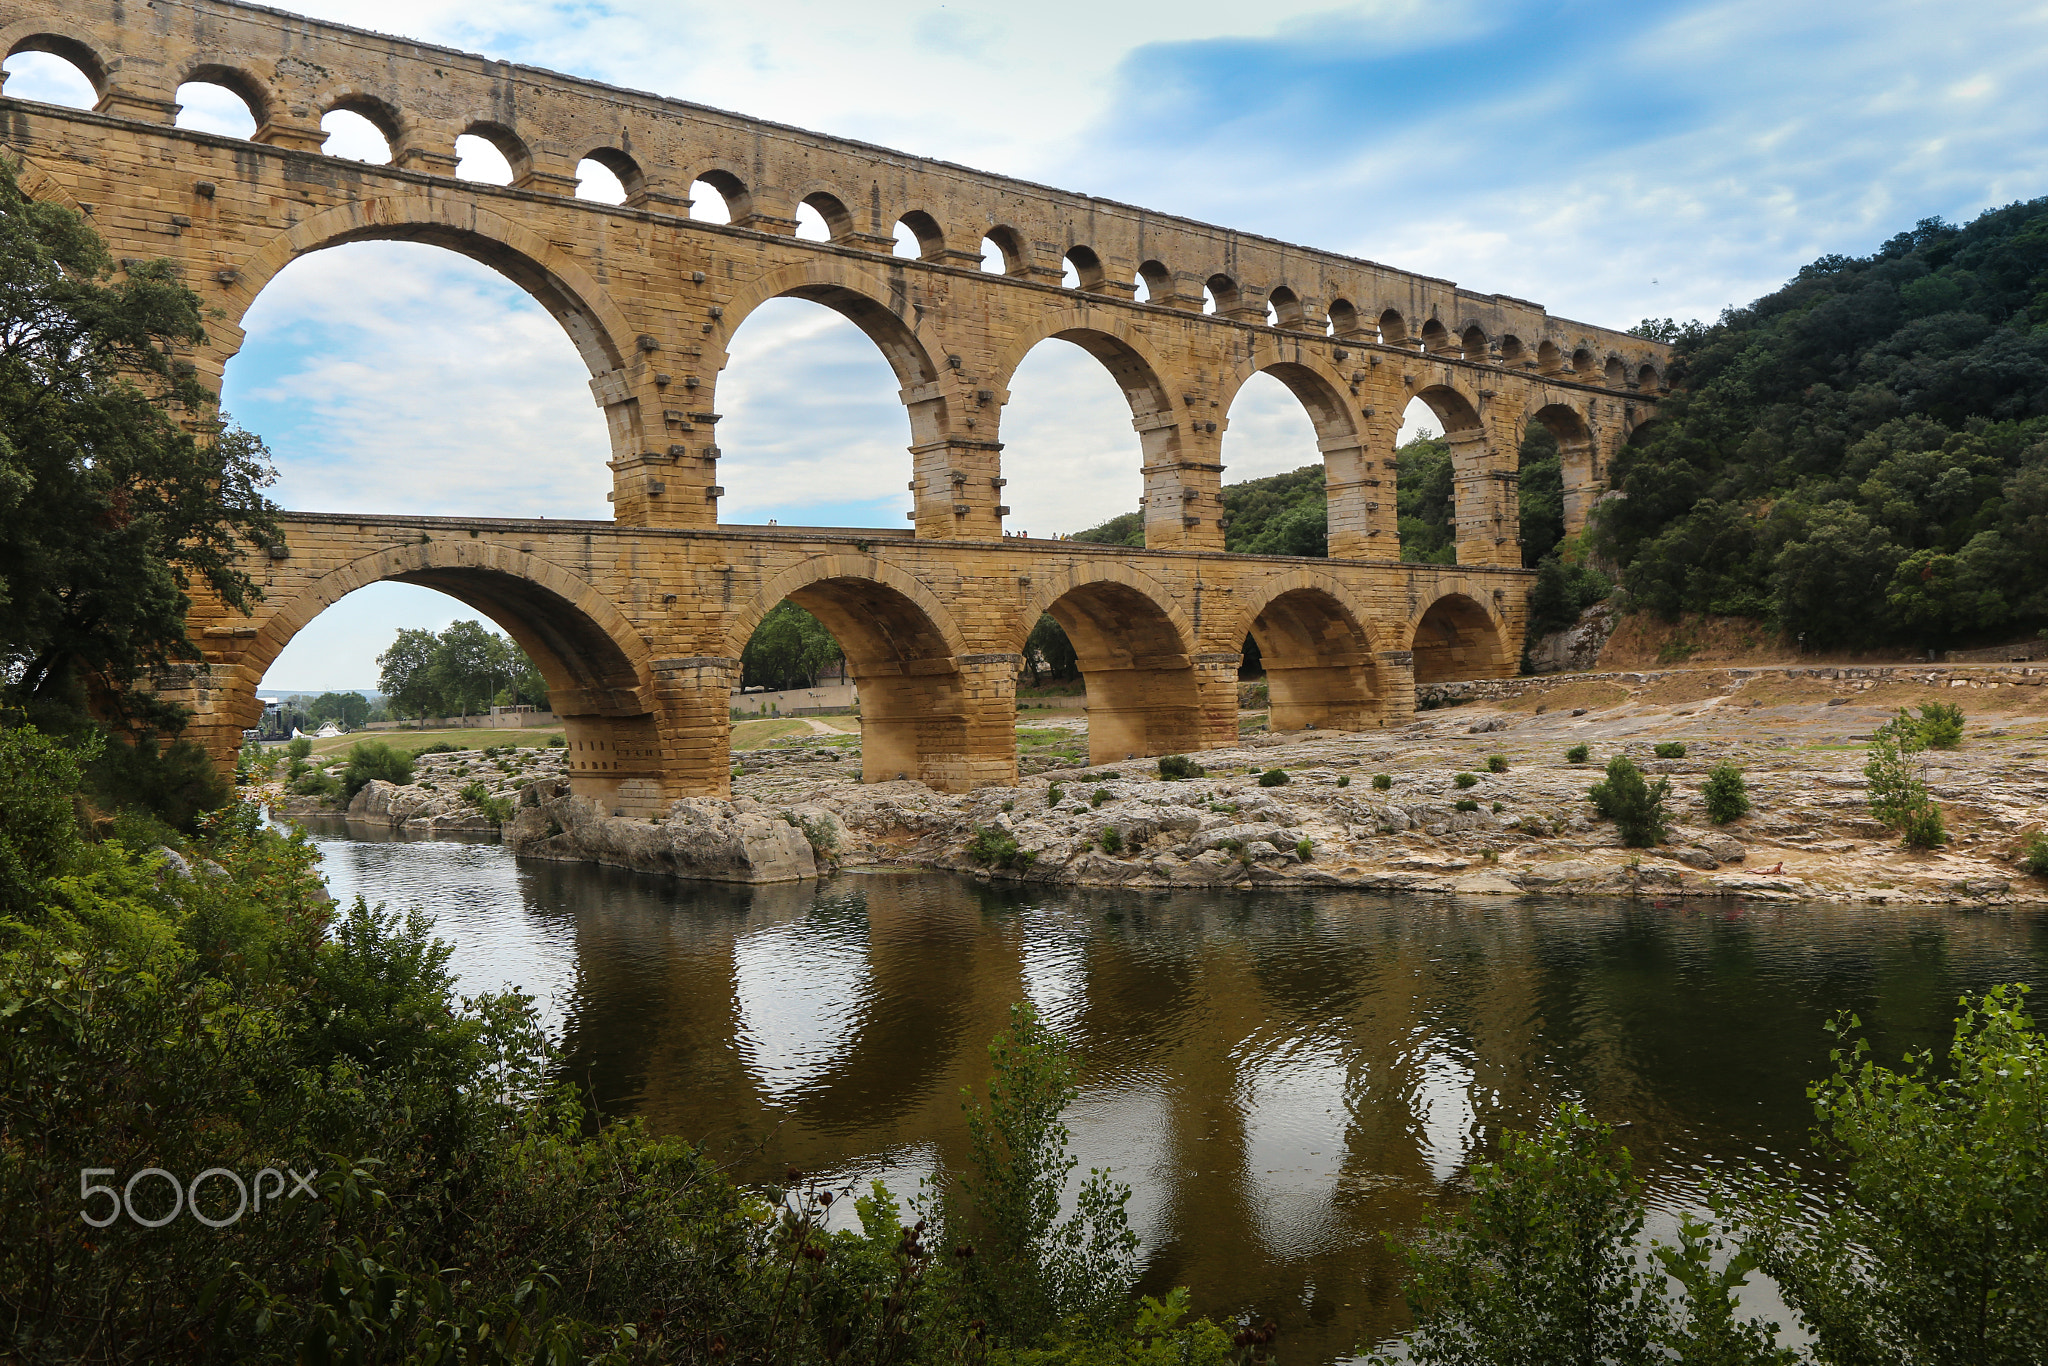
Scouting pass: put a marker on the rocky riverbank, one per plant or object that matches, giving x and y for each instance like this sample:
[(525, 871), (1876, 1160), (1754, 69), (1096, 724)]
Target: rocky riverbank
[(1799, 735)]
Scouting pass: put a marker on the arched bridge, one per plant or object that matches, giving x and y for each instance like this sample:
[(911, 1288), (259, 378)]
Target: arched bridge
[(638, 622)]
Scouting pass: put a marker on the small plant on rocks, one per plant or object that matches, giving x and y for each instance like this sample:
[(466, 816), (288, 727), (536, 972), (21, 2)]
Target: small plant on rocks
[(1941, 725), (1499, 807), (1175, 767), (1634, 806), (1055, 794), (1344, 780), (1382, 781), (1496, 763), (1671, 749), (1100, 795), (1304, 848), (998, 848), (1576, 754), (1111, 841), (1467, 804), (2034, 853), (1726, 794), (1466, 779), (1273, 777), (1898, 794)]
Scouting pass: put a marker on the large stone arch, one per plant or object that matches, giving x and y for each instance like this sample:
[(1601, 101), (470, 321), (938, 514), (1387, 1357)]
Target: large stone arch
[(1455, 636), (1319, 649), (1183, 491), (59, 37), (1137, 653), (875, 298), (561, 285), (598, 667), (1358, 476), (1577, 460), (909, 663)]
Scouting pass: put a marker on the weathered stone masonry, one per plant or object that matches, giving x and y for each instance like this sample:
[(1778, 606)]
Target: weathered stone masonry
[(634, 621)]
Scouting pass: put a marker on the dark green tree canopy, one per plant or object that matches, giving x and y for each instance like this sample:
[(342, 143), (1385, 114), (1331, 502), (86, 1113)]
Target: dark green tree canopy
[(1861, 456), (464, 669), (117, 487), (789, 649)]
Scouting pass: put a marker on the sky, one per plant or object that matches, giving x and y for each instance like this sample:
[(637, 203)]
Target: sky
[(1615, 162)]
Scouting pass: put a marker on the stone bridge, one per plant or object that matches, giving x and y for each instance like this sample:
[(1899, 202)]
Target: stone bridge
[(638, 622)]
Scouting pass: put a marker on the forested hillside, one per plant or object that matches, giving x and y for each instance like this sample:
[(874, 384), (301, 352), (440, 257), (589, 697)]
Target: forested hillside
[(1862, 456)]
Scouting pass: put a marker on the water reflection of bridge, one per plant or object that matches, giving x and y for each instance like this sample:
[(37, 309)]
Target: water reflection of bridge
[(1283, 1078)]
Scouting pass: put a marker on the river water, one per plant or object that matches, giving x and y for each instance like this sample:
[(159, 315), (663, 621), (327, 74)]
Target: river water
[(1281, 1076)]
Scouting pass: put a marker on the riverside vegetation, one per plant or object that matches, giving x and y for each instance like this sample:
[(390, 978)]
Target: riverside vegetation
[(207, 1008)]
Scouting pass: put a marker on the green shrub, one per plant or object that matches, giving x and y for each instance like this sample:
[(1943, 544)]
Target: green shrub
[(1634, 806), (1499, 807), (1099, 796), (299, 748), (1577, 754), (998, 848), (1466, 779), (1175, 767), (558, 742), (38, 827), (496, 810), (369, 760), (1726, 794), (1303, 847), (1111, 841), (2034, 853), (1343, 780), (1898, 794), (438, 747), (1467, 804), (1941, 725), (1496, 763), (1671, 749), (1274, 777), (1055, 794), (315, 782), (1382, 781)]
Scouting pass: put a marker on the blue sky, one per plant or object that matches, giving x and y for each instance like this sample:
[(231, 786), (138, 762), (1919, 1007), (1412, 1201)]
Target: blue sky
[(1612, 161)]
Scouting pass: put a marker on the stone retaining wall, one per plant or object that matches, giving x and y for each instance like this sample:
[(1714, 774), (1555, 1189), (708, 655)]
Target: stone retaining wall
[(1867, 675)]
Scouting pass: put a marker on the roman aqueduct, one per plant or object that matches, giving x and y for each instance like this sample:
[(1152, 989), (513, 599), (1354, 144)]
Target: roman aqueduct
[(638, 622)]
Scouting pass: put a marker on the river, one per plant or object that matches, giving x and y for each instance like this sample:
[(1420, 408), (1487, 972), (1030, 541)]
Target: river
[(1281, 1076)]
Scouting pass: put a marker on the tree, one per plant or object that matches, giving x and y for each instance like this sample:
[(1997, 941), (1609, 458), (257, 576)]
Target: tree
[(789, 649), (1047, 649), (406, 674), (348, 709), (117, 488), (469, 665)]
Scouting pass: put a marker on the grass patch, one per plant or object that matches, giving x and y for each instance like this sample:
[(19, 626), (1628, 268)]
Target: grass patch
[(754, 734)]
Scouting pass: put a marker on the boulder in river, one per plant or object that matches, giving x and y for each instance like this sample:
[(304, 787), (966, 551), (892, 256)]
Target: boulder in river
[(700, 837)]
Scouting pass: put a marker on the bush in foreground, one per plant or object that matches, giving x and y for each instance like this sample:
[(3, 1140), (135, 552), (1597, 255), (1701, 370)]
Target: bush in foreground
[(1274, 777), (1176, 767), (1928, 1252)]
